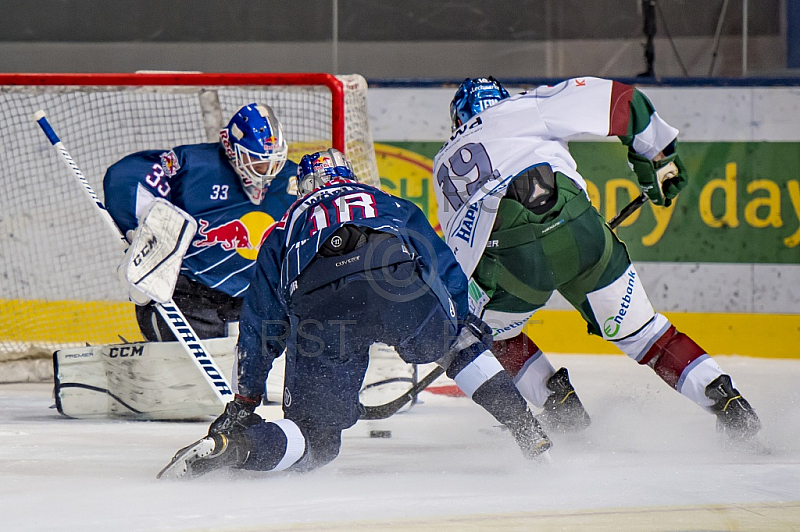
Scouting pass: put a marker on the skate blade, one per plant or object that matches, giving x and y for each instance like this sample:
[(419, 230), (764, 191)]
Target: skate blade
[(752, 445), (180, 465), (543, 458)]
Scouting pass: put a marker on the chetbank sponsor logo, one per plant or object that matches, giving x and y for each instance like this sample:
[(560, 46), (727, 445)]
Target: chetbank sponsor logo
[(613, 324), (500, 330)]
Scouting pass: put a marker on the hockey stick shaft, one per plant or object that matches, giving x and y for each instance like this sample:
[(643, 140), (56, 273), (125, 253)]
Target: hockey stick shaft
[(388, 409), (169, 311), (628, 209)]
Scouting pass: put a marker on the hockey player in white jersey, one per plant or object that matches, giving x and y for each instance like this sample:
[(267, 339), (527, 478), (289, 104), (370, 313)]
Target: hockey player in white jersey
[(515, 212)]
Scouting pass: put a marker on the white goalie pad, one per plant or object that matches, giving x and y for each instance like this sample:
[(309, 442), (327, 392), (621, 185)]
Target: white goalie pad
[(158, 381), (145, 381), (153, 261)]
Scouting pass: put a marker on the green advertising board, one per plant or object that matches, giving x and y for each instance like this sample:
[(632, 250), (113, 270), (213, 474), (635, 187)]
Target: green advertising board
[(742, 204)]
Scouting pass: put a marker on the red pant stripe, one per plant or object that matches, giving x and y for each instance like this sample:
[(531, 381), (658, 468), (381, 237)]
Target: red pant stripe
[(514, 353), (671, 355)]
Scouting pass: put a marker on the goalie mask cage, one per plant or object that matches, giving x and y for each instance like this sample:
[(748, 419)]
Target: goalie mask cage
[(58, 282)]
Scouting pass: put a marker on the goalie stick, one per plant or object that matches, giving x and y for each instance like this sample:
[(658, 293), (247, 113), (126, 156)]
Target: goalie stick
[(392, 407), (169, 311)]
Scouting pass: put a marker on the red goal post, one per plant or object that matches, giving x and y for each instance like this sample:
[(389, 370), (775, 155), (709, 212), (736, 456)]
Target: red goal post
[(58, 281)]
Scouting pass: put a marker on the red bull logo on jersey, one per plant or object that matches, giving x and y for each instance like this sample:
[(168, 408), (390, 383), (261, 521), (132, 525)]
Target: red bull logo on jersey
[(230, 235), (244, 235), (169, 162)]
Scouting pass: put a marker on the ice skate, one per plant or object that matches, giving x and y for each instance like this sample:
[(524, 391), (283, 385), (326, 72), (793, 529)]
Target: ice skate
[(563, 410), (210, 453), (532, 440), (735, 417)]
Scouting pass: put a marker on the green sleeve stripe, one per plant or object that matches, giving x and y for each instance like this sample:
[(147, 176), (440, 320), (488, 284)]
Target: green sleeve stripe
[(641, 109)]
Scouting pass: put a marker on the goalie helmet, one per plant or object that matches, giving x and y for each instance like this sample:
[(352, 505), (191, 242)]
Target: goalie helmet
[(473, 96), (255, 146), (318, 168)]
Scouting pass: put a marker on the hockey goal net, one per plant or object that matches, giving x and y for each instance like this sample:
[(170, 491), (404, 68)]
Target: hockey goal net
[(58, 284)]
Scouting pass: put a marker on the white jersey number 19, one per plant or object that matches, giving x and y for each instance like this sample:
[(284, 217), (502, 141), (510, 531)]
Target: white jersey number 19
[(469, 157)]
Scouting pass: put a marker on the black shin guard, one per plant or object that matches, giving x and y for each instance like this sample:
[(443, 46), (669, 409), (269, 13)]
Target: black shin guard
[(500, 398)]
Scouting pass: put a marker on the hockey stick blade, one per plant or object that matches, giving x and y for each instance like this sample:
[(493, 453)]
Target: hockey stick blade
[(172, 315), (627, 210), (388, 409)]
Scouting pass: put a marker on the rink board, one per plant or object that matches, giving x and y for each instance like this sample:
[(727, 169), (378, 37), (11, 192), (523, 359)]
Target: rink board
[(555, 331)]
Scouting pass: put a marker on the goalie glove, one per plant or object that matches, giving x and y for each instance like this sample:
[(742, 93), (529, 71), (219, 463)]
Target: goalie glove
[(239, 414), (153, 261), (661, 180)]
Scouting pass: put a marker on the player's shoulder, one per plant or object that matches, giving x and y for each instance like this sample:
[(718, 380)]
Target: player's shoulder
[(202, 152), (289, 169), (565, 87)]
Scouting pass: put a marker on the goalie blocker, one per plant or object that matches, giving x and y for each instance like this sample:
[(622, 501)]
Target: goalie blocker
[(153, 261)]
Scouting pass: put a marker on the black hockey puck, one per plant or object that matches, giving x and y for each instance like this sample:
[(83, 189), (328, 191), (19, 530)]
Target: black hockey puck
[(380, 434)]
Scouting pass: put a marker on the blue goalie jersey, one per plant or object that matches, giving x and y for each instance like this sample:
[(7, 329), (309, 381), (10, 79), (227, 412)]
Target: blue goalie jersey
[(293, 244), (199, 179)]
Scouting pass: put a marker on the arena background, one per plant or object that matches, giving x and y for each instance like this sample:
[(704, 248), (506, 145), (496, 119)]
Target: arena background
[(724, 263)]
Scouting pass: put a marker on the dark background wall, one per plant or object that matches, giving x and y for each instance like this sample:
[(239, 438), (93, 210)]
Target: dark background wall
[(391, 39)]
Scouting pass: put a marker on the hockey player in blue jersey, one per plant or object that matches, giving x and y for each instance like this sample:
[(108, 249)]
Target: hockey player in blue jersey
[(224, 195), (347, 266)]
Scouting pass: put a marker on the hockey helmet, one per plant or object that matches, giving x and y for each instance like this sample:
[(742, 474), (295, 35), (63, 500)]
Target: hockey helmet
[(255, 146), (318, 168), (473, 96)]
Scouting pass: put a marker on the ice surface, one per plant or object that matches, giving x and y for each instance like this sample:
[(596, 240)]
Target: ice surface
[(650, 461)]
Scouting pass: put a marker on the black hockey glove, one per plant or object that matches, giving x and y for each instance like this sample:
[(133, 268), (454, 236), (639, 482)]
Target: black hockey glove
[(661, 180), (238, 415), (480, 329)]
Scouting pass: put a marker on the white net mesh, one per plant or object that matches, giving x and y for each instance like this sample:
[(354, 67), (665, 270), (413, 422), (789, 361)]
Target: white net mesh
[(58, 282)]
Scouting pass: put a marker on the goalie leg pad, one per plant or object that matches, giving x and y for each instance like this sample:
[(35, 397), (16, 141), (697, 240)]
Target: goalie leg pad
[(144, 381)]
